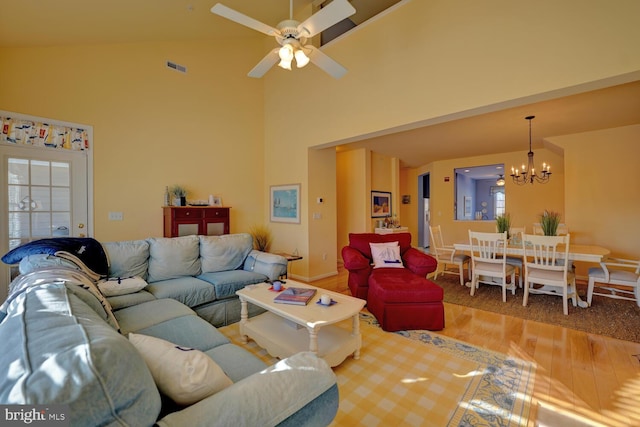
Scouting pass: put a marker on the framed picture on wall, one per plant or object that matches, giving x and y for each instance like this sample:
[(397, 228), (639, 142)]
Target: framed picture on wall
[(285, 203), (380, 204)]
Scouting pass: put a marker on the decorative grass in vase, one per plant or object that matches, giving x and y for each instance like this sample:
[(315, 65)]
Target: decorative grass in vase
[(549, 222), (261, 237), (503, 223)]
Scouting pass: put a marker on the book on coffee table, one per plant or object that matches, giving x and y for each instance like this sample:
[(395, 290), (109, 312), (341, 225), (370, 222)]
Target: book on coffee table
[(297, 296)]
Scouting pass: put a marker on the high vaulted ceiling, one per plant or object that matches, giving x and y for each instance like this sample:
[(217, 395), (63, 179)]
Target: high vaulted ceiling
[(494, 129), (73, 22)]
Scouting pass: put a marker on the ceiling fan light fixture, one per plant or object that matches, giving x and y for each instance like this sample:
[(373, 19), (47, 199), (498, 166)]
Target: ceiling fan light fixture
[(301, 58), (292, 35), (286, 56), (285, 64), (286, 53)]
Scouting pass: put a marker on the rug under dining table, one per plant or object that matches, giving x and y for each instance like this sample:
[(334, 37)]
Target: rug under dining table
[(420, 378), (609, 317)]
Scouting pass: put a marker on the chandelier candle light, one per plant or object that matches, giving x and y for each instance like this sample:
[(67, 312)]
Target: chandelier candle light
[(528, 174)]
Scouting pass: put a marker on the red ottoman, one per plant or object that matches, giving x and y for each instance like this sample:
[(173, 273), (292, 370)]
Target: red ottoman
[(401, 300)]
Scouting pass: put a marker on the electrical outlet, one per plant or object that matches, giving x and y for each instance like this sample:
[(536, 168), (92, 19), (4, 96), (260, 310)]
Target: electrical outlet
[(115, 216)]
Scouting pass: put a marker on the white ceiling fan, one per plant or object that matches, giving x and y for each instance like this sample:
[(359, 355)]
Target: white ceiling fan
[(292, 35)]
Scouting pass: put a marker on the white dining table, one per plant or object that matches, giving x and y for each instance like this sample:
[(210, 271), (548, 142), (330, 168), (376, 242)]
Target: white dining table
[(585, 253)]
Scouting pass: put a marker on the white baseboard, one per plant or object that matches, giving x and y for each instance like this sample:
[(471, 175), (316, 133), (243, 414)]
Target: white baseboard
[(314, 278)]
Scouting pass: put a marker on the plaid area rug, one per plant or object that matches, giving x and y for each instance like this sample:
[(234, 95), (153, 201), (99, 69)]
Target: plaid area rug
[(419, 378)]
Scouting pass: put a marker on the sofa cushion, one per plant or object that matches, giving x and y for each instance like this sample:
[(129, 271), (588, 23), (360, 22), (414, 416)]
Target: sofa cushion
[(138, 317), (89, 366), (123, 301), (188, 290), (171, 257), (226, 252), (226, 283), (271, 265), (236, 362), (128, 258), (186, 375), (187, 331)]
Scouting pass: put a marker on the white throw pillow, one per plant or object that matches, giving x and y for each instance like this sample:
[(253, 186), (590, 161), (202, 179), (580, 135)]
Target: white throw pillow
[(386, 255), (121, 285), (185, 375)]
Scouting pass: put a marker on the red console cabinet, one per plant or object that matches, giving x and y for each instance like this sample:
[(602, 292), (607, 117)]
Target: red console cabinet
[(186, 220)]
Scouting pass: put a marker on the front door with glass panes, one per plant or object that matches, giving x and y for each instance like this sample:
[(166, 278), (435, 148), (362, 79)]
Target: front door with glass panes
[(45, 191)]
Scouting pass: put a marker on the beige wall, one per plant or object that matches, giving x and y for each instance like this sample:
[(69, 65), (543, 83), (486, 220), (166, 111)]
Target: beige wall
[(524, 203), (353, 183), (216, 131), (322, 260), (603, 187), (153, 127), (429, 59)]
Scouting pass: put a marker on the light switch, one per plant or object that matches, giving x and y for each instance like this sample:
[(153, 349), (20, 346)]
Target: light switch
[(115, 216)]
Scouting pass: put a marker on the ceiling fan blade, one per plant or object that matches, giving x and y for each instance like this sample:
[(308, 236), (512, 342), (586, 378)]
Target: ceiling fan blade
[(325, 63), (265, 64), (225, 12), (335, 12)]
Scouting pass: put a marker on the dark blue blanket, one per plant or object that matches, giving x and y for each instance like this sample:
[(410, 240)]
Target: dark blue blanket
[(87, 249)]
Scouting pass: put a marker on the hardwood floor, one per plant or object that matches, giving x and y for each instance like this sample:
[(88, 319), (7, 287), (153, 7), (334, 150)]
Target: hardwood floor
[(581, 379)]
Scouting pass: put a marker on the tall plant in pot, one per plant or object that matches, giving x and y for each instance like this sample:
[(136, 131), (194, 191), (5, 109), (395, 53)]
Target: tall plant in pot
[(549, 222), (503, 223)]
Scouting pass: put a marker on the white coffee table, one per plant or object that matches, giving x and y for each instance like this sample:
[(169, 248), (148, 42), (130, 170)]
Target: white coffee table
[(286, 329)]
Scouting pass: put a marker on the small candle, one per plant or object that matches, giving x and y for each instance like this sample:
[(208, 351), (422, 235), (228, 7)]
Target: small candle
[(325, 299), (277, 286)]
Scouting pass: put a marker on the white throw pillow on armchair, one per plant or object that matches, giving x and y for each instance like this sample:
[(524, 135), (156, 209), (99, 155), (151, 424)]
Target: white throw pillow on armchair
[(386, 255)]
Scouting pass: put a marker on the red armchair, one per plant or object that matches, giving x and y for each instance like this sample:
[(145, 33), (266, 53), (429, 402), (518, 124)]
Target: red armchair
[(400, 298), (358, 260)]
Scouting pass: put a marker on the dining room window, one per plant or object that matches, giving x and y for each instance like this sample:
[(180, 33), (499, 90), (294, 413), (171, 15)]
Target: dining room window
[(499, 202)]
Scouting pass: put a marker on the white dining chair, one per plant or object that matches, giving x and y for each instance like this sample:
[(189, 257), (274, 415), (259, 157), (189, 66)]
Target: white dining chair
[(489, 263), (615, 278), (517, 261), (447, 256), (547, 264)]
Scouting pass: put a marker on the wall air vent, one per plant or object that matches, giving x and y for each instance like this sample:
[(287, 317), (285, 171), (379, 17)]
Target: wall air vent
[(177, 67)]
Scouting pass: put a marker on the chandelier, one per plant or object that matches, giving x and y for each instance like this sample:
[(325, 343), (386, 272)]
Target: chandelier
[(528, 173)]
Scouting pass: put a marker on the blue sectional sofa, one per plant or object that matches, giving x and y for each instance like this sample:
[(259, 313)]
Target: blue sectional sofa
[(65, 342), (202, 272)]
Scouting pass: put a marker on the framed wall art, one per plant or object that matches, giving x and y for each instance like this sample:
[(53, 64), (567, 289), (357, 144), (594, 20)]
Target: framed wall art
[(285, 203), (380, 204)]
